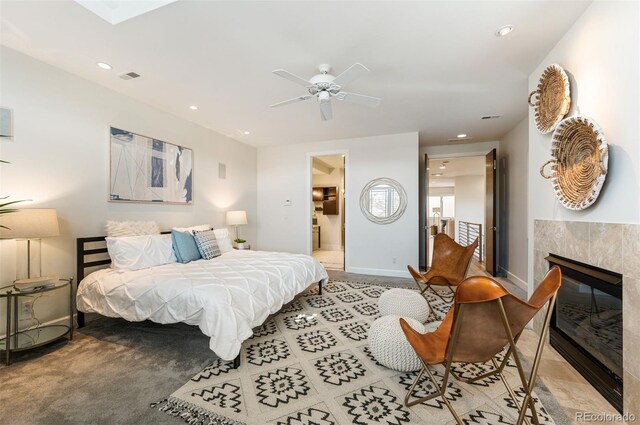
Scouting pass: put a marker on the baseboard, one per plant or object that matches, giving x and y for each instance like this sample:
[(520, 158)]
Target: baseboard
[(378, 272), (517, 281)]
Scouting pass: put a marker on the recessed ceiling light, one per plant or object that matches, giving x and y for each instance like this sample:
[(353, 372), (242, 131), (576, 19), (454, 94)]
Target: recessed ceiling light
[(246, 133), (460, 136), (504, 30), (193, 107), (438, 174), (443, 167), (104, 65)]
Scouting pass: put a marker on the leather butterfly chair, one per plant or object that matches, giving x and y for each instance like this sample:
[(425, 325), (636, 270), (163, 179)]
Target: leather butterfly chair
[(449, 264), (484, 319)]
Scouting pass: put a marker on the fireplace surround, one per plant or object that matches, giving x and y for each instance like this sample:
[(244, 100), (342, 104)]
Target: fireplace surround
[(586, 325)]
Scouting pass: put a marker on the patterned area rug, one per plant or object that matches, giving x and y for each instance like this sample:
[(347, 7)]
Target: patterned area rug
[(310, 365)]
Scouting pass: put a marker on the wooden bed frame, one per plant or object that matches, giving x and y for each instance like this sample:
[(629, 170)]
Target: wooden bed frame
[(83, 263)]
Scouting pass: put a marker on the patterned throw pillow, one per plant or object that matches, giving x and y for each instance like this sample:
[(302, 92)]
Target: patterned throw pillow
[(131, 228), (207, 244)]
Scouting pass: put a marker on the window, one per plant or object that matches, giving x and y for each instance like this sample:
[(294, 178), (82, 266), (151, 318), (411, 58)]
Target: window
[(447, 205), (384, 200)]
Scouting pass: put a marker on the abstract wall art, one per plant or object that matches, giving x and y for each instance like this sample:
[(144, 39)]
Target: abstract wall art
[(144, 169)]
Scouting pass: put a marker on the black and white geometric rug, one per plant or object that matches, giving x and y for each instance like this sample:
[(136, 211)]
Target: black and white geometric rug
[(310, 364)]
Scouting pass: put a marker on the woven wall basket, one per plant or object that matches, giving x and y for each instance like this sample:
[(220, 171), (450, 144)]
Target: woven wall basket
[(552, 99), (580, 158)]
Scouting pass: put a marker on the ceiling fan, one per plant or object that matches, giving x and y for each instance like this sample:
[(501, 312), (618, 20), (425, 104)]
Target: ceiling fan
[(324, 86)]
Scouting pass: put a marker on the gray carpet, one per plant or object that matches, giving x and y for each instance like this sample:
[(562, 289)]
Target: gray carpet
[(113, 369)]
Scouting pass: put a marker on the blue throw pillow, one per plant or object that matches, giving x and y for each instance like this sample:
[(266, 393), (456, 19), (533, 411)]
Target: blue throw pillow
[(184, 245)]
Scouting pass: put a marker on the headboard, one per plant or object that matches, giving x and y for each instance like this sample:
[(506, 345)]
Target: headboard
[(91, 253)]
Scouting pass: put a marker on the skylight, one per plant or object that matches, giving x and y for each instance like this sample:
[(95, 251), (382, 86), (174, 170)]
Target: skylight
[(117, 11)]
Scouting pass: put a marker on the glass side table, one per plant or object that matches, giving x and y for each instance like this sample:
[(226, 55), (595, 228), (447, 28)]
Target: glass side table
[(35, 335)]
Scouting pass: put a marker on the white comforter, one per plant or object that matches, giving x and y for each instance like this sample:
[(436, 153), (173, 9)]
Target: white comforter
[(226, 297)]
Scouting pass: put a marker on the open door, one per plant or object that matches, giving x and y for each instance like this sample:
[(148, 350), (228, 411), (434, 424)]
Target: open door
[(426, 211), (490, 213)]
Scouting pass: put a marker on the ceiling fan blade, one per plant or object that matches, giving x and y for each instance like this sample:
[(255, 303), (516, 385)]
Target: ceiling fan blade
[(294, 100), (359, 99), (325, 111), (356, 70), (292, 77)]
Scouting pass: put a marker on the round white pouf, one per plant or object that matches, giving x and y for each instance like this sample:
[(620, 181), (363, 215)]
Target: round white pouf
[(390, 347), (405, 303)]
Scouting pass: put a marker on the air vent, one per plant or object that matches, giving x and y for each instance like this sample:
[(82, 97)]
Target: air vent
[(490, 117), (129, 75), (461, 139)]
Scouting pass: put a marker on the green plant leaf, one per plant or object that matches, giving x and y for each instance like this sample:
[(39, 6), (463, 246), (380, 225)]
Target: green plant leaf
[(3, 206)]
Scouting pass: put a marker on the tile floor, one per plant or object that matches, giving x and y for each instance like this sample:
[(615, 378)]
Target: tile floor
[(331, 260)]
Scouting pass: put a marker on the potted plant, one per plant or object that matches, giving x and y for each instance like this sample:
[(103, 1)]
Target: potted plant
[(4, 206), (240, 243)]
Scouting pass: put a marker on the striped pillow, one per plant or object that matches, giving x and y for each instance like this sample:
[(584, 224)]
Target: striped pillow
[(207, 244)]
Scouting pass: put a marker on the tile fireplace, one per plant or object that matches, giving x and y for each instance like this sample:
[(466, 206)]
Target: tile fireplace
[(586, 325)]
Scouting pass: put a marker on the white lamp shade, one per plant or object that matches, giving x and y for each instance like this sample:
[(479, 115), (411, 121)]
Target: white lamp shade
[(235, 218), (29, 223)]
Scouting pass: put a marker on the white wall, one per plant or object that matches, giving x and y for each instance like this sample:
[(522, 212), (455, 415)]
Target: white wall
[(330, 225), (514, 167), (60, 159), (469, 197), (601, 51), (284, 173)]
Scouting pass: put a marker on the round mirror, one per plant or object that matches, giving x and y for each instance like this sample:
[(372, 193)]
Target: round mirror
[(383, 200)]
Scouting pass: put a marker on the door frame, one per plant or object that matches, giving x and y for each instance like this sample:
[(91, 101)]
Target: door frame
[(309, 200), (467, 150)]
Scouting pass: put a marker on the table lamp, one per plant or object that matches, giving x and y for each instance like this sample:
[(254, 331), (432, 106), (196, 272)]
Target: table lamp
[(436, 215), (30, 225), (236, 218)]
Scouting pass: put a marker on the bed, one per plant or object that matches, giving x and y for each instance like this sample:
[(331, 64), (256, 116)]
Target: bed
[(226, 297)]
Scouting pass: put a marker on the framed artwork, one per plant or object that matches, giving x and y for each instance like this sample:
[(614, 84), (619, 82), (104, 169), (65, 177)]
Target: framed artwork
[(144, 169)]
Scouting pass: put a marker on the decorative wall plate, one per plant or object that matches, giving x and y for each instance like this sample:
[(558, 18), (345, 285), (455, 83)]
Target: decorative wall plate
[(552, 98), (580, 159)]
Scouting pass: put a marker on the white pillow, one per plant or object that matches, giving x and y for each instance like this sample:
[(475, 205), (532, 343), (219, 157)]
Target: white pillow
[(224, 240), (140, 252), (198, 228), (131, 228)]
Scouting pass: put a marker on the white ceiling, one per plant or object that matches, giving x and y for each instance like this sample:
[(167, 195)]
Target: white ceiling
[(455, 167), (322, 164), (437, 65)]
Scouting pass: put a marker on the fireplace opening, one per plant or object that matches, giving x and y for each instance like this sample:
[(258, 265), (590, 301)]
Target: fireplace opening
[(586, 325)]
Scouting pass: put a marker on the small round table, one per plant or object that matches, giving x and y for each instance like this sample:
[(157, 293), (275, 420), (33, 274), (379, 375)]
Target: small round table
[(33, 336)]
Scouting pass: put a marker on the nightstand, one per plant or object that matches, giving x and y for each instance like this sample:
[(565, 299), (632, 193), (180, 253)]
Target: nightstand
[(36, 335)]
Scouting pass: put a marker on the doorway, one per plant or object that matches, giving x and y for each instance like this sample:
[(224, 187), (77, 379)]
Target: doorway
[(460, 202), (328, 210)]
